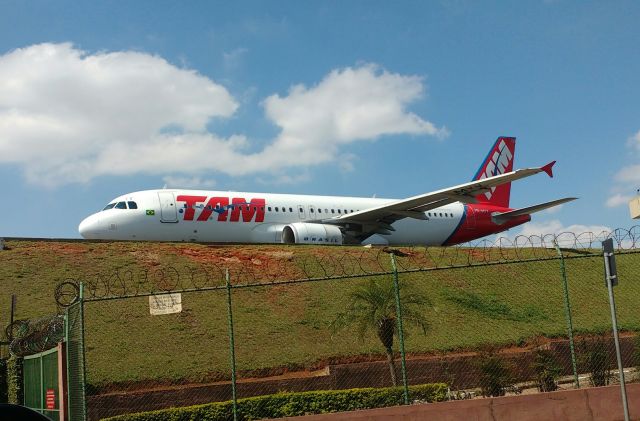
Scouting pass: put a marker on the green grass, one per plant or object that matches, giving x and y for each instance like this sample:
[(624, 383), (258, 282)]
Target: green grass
[(284, 327)]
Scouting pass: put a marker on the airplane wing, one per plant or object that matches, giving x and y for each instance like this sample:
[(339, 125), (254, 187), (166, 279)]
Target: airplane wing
[(502, 217), (379, 219)]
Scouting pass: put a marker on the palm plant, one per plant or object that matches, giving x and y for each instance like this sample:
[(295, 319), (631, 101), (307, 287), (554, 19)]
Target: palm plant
[(372, 307)]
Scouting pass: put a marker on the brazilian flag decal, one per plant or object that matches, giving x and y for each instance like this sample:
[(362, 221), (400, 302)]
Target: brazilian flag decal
[(151, 212)]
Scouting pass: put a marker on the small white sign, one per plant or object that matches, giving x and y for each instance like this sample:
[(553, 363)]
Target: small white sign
[(165, 304)]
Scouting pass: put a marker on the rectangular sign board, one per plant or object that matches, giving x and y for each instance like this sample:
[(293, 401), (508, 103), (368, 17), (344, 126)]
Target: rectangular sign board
[(634, 207), (165, 304), (51, 399), (610, 258)]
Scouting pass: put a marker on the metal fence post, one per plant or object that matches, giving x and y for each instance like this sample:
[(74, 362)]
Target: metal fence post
[(84, 359), (396, 288), (231, 348), (610, 278), (567, 310)]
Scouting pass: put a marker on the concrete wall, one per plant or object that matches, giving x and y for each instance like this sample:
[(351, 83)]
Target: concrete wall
[(597, 403)]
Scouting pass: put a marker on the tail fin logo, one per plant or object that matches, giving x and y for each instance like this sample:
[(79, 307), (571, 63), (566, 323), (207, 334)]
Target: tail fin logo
[(498, 163)]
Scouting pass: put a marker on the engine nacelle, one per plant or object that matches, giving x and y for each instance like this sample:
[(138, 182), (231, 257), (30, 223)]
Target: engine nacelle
[(306, 233)]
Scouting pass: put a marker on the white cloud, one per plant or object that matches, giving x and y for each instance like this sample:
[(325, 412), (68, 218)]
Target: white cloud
[(629, 174), (348, 105), (618, 200), (233, 59), (70, 116), (554, 226), (635, 140), (555, 209), (627, 178), (545, 232), (290, 178), (64, 112), (187, 182)]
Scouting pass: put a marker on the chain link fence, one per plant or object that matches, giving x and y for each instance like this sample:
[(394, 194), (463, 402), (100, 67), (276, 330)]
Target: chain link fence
[(506, 317)]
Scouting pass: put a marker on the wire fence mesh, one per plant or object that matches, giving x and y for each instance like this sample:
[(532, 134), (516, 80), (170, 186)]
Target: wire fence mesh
[(481, 320), (487, 329), (75, 348)]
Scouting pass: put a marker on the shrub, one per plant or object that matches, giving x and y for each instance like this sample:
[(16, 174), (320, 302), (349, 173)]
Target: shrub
[(15, 388), (495, 375), (547, 370), (595, 360), (4, 385), (294, 404), (636, 357)]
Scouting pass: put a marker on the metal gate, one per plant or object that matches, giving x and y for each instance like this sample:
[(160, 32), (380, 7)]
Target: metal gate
[(41, 383)]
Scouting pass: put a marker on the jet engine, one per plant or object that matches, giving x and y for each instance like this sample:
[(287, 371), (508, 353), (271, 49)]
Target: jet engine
[(307, 233)]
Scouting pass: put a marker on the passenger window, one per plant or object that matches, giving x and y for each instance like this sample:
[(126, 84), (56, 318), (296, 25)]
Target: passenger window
[(332, 211), (326, 210), (121, 205), (276, 209), (351, 210), (339, 211), (262, 208), (269, 208), (109, 206), (132, 205), (319, 210), (290, 209), (311, 210), (440, 214)]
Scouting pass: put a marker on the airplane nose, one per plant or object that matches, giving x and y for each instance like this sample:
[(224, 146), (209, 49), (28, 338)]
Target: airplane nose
[(90, 227)]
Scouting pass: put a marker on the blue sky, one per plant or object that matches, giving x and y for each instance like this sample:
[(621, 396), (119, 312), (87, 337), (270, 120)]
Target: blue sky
[(349, 98)]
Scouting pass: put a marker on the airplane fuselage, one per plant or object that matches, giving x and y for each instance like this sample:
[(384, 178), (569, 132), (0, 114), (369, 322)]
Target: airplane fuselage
[(243, 217)]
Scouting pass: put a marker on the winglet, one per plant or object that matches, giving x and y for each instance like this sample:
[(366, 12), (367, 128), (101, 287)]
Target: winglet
[(549, 168)]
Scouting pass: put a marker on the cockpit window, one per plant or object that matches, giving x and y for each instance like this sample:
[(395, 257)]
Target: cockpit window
[(109, 206), (121, 205), (132, 205)]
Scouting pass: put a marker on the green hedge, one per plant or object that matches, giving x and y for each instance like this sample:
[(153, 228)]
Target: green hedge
[(14, 380), (293, 404), (4, 385)]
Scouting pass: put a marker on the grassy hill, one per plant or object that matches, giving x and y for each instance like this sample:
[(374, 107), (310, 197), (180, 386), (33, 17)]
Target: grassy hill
[(287, 326)]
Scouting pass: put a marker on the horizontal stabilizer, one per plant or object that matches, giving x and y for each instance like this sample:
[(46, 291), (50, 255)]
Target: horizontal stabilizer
[(502, 217)]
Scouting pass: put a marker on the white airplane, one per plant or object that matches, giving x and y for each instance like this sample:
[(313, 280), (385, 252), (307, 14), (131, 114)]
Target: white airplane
[(444, 217)]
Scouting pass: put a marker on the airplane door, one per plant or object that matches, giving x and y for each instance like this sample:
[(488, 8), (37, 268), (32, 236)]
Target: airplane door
[(168, 211), (471, 218), (301, 211)]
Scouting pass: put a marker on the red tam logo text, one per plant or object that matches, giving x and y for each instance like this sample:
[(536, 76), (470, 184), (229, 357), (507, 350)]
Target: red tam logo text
[(221, 206)]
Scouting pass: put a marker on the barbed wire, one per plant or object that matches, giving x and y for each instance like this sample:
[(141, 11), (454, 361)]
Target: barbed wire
[(33, 336), (323, 263)]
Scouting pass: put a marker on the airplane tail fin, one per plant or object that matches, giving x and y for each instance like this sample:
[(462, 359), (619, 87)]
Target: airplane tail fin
[(498, 161)]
